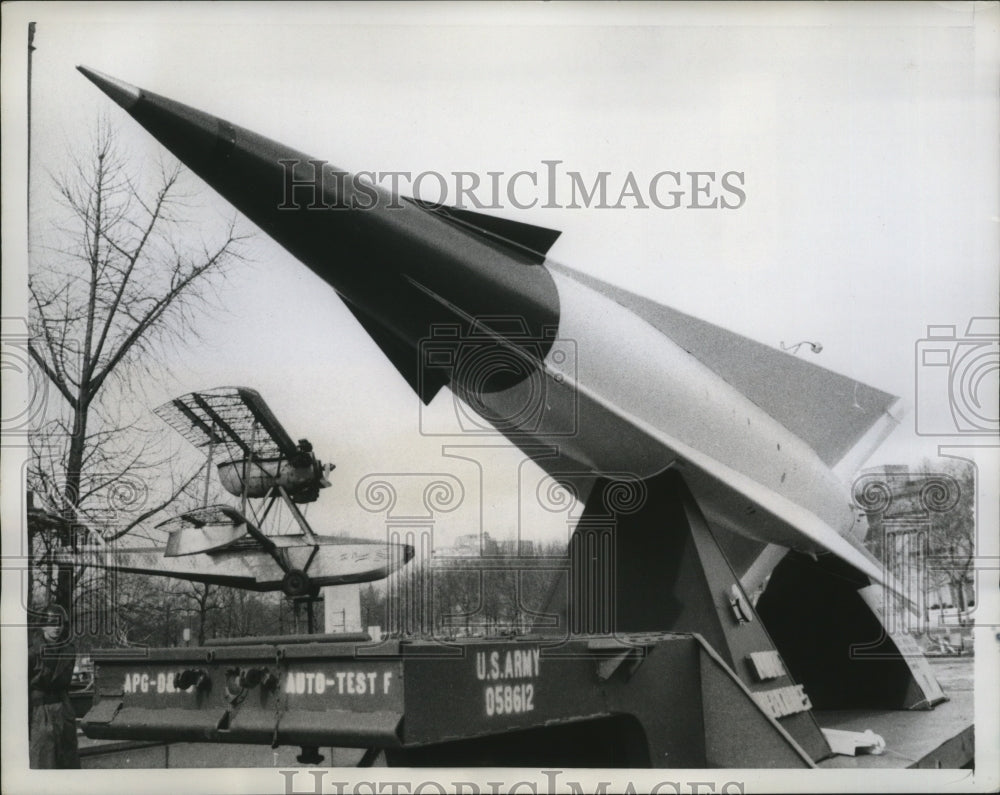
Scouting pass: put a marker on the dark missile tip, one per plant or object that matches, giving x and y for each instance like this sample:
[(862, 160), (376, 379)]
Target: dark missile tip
[(121, 92)]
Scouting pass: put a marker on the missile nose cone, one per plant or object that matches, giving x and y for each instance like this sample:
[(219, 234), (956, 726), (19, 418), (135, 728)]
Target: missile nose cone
[(121, 92)]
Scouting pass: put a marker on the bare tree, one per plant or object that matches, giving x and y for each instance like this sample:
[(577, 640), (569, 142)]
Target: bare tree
[(372, 606), (487, 595), (952, 541), (202, 599), (124, 270)]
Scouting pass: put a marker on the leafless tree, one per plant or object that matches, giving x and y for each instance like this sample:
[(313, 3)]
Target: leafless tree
[(488, 595), (952, 538), (123, 271), (202, 599)]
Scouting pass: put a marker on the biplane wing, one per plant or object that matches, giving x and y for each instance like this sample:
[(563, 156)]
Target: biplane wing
[(257, 454), (235, 417), (203, 530), (217, 545)]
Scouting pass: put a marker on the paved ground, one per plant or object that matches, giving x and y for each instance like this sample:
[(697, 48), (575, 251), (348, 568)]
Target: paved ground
[(939, 738), (953, 673)]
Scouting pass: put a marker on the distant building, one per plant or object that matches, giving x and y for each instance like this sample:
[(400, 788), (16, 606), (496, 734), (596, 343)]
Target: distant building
[(470, 545)]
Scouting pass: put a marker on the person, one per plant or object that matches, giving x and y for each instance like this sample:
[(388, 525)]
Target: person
[(52, 724)]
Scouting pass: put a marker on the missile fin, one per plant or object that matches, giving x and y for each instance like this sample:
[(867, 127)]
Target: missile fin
[(529, 241), (791, 525), (833, 414)]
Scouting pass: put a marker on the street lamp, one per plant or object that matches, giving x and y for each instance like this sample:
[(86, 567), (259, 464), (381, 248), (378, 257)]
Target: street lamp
[(817, 347)]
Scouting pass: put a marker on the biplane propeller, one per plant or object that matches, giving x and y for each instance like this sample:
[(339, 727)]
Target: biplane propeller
[(255, 459)]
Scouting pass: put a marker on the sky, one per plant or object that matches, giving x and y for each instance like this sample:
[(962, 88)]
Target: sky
[(865, 137)]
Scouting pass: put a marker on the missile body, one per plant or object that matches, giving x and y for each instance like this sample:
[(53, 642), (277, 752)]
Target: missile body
[(541, 354)]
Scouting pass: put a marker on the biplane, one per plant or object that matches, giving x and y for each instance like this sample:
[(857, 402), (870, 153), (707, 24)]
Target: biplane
[(256, 460)]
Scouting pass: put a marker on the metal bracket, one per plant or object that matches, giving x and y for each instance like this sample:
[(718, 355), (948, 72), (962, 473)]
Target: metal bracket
[(629, 657)]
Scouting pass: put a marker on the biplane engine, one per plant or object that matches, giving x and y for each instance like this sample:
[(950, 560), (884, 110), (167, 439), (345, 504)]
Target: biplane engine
[(258, 455), (301, 475)]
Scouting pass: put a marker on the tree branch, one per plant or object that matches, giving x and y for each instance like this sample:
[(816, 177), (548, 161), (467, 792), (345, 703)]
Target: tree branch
[(156, 509)]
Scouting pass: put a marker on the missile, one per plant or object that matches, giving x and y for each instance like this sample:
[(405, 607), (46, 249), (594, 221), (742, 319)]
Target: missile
[(615, 384)]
